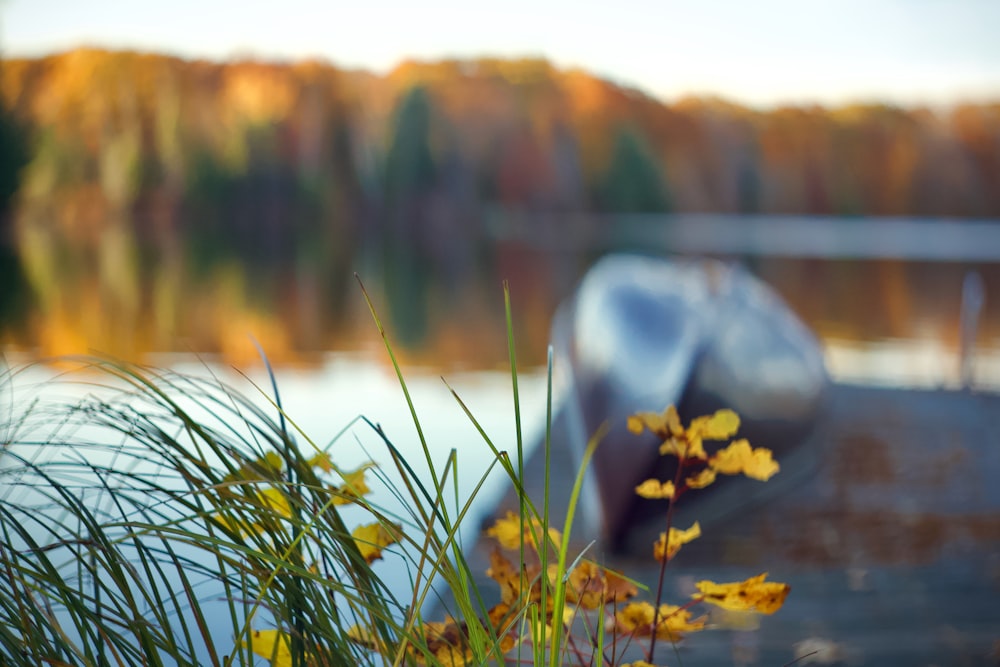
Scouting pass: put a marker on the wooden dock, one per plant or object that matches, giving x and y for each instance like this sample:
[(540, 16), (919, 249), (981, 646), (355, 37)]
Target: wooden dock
[(886, 523)]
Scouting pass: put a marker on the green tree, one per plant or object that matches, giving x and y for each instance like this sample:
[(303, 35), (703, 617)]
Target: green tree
[(13, 157), (409, 165), (410, 174), (634, 181)]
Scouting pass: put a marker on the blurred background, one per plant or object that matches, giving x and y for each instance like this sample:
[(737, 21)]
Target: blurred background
[(179, 176)]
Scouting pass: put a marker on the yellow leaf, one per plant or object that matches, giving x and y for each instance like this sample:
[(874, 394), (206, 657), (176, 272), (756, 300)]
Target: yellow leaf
[(354, 486), (686, 443), (683, 448), (654, 489), (639, 663), (752, 594), (664, 425), (701, 480), (322, 461), (445, 643), (269, 498), (664, 549), (272, 645), (637, 618), (252, 471), (720, 426), (695, 448), (634, 617), (635, 424), (510, 531), (276, 501), (371, 538), (674, 447), (673, 421), (738, 458)]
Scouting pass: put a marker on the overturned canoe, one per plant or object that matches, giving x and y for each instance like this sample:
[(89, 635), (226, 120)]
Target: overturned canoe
[(642, 333)]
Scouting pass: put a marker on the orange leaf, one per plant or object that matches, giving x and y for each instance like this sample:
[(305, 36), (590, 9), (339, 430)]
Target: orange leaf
[(752, 594), (502, 571), (637, 618), (592, 587)]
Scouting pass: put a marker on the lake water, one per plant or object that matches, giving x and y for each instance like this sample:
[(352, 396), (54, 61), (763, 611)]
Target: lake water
[(862, 284)]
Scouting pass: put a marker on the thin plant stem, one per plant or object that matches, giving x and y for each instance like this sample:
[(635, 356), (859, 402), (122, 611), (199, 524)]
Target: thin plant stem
[(666, 556)]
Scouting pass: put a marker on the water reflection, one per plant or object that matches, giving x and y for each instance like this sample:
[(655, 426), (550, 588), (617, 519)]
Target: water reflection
[(70, 298)]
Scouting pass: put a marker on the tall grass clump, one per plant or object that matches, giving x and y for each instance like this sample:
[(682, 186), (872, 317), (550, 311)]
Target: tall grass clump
[(122, 510), (169, 519)]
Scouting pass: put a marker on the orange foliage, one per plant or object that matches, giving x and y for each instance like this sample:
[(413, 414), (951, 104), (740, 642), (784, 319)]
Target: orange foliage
[(868, 159)]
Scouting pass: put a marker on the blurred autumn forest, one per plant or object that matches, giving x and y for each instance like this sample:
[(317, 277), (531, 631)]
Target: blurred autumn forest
[(165, 203)]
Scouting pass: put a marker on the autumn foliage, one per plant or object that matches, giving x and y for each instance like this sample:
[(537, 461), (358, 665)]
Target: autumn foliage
[(569, 600), (133, 130)]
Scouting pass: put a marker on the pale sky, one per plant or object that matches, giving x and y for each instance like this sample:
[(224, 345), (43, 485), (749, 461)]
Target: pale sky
[(758, 52)]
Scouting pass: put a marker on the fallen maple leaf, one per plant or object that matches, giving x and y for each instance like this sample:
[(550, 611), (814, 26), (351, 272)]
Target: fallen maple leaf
[(637, 618), (752, 594)]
